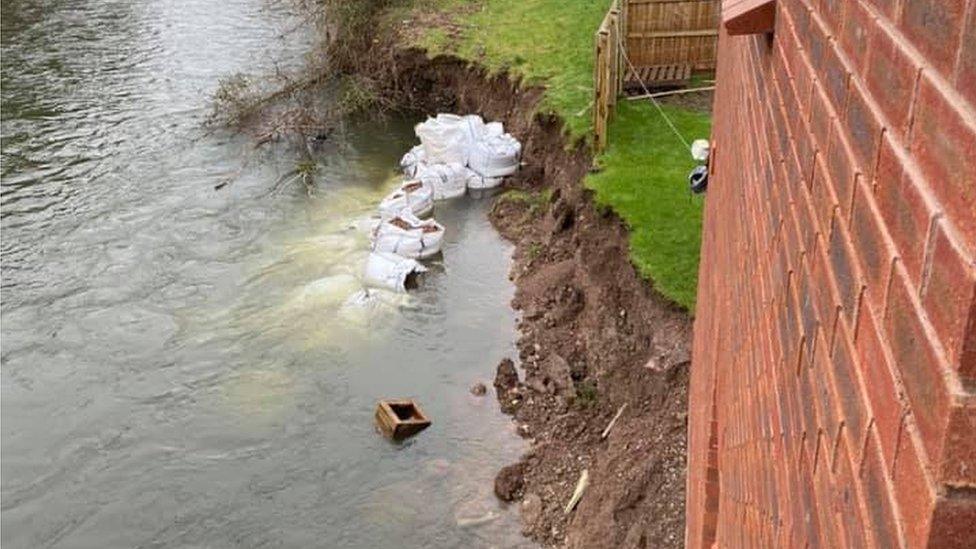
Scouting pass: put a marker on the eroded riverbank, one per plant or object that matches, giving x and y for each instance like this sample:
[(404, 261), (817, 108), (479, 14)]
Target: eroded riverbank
[(593, 335)]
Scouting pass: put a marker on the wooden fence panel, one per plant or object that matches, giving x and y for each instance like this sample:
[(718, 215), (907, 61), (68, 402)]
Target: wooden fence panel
[(662, 32), (607, 71)]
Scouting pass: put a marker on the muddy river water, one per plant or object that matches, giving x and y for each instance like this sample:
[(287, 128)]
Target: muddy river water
[(182, 366)]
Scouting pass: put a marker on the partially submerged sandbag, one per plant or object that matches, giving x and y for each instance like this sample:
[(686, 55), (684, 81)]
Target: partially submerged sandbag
[(476, 181), (408, 236), (412, 159), (445, 139), (392, 272), (495, 156), (447, 180), (414, 195)]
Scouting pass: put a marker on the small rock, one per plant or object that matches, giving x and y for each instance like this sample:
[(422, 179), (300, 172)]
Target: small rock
[(479, 389), (506, 376), (509, 482), (530, 511)]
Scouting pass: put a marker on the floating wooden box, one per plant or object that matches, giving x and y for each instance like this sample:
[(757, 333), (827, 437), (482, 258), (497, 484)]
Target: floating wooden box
[(400, 418)]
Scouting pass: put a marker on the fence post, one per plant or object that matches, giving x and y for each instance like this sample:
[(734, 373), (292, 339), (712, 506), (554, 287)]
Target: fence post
[(621, 73)]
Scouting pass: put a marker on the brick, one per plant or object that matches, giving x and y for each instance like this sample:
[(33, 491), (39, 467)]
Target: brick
[(830, 532), (814, 38), (864, 127), (949, 297), (808, 409), (884, 396), (808, 314), (854, 37), (935, 28), (913, 490), (833, 12), (954, 522), (888, 8), (874, 251), (878, 500), (943, 140), (824, 199), (958, 466), (905, 209), (919, 364), (846, 499), (842, 168), (821, 119), (966, 71), (826, 403), (847, 275), (824, 294), (835, 76), (847, 386), (891, 78)]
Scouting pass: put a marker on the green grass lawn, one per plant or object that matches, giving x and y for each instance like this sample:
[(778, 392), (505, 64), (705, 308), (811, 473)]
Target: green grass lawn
[(645, 180), (645, 168)]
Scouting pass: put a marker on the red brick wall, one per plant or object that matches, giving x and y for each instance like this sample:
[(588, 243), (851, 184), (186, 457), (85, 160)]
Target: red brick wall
[(833, 392)]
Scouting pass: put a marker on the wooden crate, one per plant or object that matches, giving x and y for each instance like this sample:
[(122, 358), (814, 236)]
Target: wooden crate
[(398, 419)]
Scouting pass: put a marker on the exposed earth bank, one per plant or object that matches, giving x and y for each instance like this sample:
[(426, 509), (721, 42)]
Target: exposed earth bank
[(594, 337)]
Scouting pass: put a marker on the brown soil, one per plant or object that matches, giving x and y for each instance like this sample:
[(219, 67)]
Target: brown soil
[(594, 336)]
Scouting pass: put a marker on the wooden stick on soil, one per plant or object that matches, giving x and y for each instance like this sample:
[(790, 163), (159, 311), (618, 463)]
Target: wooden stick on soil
[(578, 492), (613, 422)]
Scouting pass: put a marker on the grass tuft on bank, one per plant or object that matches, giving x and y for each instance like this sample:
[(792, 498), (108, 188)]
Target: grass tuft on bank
[(645, 181), (644, 171)]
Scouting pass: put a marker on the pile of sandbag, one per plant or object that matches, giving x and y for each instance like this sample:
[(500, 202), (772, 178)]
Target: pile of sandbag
[(456, 153), (461, 152)]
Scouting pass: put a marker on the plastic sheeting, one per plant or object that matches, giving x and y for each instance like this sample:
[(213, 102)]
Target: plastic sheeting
[(447, 180), (390, 271), (414, 195), (408, 236)]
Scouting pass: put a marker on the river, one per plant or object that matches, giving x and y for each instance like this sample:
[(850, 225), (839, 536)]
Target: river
[(180, 366)]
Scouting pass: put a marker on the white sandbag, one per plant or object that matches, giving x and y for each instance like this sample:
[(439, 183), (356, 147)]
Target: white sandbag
[(408, 236), (495, 156), (476, 128), (476, 181), (447, 180), (446, 139), (494, 129), (415, 195), (391, 272), (412, 159)]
